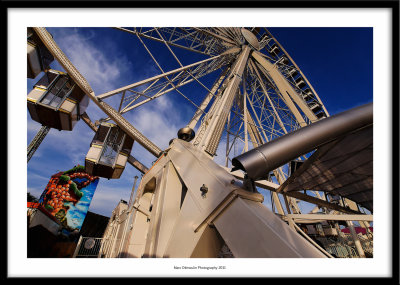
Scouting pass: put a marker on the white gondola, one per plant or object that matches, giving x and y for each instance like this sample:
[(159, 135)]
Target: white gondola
[(56, 101), (39, 57), (109, 151)]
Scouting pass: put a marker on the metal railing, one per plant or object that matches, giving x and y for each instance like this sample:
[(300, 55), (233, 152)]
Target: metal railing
[(366, 242), (344, 246), (342, 251)]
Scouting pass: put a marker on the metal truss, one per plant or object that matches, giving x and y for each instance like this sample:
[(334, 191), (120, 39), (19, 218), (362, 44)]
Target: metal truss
[(191, 39), (37, 140)]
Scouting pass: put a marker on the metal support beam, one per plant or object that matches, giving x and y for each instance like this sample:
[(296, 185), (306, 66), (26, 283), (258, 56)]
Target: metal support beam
[(210, 140), (37, 140), (133, 191), (258, 162), (267, 185), (320, 202), (137, 164), (349, 217), (88, 122)]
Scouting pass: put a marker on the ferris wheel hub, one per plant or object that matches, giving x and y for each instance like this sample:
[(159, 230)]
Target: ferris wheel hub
[(251, 39)]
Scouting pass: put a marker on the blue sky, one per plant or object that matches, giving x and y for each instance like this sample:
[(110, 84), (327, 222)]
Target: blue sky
[(337, 62)]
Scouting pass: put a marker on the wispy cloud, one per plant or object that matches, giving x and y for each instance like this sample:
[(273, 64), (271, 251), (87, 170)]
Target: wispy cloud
[(102, 70)]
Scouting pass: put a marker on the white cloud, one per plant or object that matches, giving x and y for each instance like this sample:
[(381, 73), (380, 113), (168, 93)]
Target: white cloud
[(102, 71)]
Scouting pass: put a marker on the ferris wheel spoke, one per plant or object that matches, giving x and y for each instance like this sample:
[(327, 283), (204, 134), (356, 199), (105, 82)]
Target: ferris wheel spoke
[(199, 70), (201, 109), (185, 81), (176, 58), (232, 34), (166, 77), (268, 117), (235, 137), (210, 33), (212, 46), (282, 87), (260, 81), (163, 75), (190, 42), (196, 40), (258, 140), (224, 32)]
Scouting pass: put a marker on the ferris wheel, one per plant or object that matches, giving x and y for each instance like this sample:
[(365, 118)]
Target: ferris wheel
[(274, 95), (258, 94)]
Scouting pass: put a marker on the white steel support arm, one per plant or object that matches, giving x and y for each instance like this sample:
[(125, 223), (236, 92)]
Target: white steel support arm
[(210, 140)]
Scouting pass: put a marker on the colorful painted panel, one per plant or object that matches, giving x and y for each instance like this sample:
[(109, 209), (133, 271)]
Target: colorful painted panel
[(67, 197)]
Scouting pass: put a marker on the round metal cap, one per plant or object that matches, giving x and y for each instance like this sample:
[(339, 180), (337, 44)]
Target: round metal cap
[(250, 38), (186, 134)]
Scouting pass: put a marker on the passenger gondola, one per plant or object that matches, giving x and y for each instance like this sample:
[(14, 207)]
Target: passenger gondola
[(109, 152)]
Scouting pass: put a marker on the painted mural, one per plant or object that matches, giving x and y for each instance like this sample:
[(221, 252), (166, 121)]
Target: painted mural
[(67, 197)]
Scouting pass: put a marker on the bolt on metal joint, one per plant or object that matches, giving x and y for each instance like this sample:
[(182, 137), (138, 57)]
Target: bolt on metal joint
[(204, 190)]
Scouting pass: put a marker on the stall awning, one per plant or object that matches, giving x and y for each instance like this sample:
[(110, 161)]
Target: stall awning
[(342, 167)]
